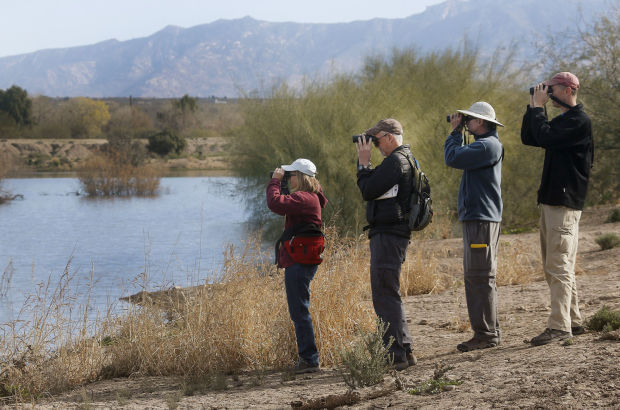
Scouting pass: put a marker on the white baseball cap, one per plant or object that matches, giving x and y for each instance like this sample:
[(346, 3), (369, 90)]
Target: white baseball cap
[(303, 165), (482, 110)]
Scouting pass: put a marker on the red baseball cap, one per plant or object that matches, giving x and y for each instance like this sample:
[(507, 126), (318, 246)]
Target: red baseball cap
[(564, 78)]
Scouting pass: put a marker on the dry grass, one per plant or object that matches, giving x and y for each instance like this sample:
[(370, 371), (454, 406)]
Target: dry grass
[(240, 321), (111, 174)]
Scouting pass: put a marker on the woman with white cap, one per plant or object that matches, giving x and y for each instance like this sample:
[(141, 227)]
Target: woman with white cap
[(480, 210), (299, 249)]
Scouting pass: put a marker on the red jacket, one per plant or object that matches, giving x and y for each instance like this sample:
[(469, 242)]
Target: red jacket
[(298, 207)]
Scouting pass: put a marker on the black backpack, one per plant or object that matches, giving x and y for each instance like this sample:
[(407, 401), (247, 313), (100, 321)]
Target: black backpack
[(420, 202)]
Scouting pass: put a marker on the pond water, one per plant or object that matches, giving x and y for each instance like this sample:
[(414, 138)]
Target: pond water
[(173, 239)]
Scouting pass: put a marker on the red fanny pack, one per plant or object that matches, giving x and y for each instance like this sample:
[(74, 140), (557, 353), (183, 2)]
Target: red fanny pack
[(307, 250)]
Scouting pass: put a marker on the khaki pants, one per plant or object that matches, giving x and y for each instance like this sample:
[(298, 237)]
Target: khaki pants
[(559, 236)]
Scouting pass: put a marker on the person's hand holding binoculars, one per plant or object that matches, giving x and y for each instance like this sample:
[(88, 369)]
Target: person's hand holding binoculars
[(363, 151), (540, 96), (457, 121), (278, 173)]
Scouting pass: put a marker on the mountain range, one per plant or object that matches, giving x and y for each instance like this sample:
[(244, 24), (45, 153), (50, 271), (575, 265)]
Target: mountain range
[(233, 57)]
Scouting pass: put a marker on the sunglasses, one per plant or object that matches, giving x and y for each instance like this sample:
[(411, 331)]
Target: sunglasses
[(375, 139)]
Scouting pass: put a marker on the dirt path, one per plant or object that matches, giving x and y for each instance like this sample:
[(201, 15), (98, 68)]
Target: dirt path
[(584, 374)]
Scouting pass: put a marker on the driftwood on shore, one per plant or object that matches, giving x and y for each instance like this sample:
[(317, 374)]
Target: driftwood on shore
[(173, 299)]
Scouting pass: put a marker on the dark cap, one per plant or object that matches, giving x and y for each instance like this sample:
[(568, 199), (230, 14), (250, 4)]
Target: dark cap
[(389, 125), (564, 78)]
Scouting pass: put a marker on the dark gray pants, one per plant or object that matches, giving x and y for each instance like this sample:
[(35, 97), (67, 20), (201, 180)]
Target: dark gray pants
[(387, 254), (480, 240)]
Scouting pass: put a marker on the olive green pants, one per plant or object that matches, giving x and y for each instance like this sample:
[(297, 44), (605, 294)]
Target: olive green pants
[(480, 241)]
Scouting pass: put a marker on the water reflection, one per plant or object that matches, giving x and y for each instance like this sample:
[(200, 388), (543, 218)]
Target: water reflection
[(176, 238)]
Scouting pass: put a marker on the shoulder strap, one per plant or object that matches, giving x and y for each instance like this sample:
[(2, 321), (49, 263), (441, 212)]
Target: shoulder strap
[(415, 185)]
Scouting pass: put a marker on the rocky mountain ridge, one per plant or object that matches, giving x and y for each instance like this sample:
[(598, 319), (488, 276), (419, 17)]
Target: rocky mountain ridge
[(243, 56)]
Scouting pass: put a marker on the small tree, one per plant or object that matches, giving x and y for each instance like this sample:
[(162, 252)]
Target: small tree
[(14, 102), (87, 117), (166, 142)]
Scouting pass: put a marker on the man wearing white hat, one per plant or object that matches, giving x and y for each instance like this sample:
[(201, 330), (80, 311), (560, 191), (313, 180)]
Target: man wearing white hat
[(480, 210)]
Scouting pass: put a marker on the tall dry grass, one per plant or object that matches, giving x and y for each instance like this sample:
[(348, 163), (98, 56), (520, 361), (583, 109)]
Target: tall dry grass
[(112, 174), (237, 321)]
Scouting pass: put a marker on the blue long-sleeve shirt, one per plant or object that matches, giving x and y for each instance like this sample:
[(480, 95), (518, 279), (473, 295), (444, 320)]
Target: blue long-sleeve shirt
[(480, 193)]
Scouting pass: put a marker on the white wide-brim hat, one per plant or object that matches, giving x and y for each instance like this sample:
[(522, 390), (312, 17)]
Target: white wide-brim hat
[(302, 165), (482, 110)]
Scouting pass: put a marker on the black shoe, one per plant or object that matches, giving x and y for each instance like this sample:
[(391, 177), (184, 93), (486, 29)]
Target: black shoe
[(577, 330), (476, 344), (411, 359), (303, 367), (548, 336)]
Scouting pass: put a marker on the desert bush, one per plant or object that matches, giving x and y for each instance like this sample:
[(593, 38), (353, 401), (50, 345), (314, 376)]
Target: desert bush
[(317, 122), (366, 360), (614, 216), (166, 142), (112, 174), (604, 320), (437, 383), (608, 241)]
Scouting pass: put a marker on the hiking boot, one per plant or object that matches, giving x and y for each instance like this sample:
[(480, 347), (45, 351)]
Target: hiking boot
[(411, 359), (400, 366), (303, 367), (475, 344), (577, 330), (548, 336)]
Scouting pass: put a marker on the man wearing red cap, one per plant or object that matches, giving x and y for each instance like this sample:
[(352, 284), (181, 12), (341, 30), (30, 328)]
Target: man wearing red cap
[(569, 151)]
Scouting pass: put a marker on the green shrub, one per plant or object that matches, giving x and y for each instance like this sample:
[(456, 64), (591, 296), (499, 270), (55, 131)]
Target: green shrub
[(614, 216), (604, 320), (438, 383), (166, 142), (366, 362), (608, 241)]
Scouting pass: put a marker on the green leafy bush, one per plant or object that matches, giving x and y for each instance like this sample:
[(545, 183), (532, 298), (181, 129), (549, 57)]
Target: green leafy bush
[(166, 142), (366, 362), (438, 383), (608, 241), (604, 320), (614, 216)]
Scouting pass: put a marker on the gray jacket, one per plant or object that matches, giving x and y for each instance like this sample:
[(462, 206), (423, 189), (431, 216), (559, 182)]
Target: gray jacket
[(480, 193)]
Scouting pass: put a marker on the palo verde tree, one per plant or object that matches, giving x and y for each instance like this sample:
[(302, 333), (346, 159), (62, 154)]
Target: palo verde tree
[(593, 54), (317, 122)]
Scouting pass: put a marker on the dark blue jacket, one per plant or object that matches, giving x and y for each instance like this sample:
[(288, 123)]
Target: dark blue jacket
[(480, 193)]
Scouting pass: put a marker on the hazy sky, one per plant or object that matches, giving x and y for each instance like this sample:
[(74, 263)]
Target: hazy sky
[(31, 25)]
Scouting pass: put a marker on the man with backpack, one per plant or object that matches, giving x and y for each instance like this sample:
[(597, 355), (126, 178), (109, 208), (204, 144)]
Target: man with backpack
[(480, 211), (387, 188)]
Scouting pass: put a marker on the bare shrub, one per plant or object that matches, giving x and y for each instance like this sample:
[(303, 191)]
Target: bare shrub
[(110, 174), (517, 264)]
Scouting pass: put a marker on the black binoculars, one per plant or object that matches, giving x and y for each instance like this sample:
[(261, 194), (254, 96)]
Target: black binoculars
[(368, 138), (284, 183), (548, 87)]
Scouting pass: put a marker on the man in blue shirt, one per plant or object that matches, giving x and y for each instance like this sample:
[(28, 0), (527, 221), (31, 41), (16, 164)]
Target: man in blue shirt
[(480, 210)]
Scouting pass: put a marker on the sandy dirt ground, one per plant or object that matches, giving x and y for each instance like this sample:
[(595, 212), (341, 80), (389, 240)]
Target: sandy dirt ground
[(583, 373)]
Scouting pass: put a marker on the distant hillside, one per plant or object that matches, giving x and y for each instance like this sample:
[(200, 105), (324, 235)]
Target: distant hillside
[(226, 56)]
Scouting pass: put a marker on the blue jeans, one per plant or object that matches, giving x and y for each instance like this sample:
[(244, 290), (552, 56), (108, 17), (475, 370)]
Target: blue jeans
[(297, 280)]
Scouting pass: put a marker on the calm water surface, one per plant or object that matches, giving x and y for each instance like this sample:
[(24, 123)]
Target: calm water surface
[(176, 238)]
